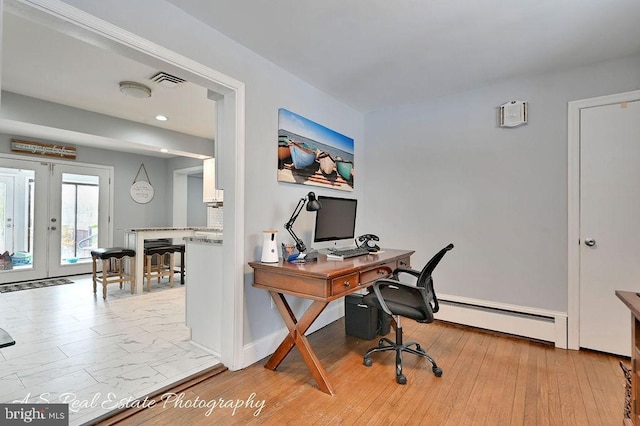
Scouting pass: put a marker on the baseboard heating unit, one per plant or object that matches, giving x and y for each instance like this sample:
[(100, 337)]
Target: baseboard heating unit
[(534, 323)]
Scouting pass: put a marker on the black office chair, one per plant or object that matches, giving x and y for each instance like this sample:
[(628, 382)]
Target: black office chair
[(418, 302)]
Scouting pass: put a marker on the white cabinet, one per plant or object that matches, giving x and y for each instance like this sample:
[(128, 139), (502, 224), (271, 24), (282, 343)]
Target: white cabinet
[(210, 194)]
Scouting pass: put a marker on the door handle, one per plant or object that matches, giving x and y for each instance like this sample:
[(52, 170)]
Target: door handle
[(590, 242)]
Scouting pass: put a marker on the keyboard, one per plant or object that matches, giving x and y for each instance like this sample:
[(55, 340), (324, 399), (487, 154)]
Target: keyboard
[(347, 253)]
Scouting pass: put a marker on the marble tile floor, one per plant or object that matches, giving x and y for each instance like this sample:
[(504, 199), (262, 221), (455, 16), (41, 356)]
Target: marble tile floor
[(76, 348)]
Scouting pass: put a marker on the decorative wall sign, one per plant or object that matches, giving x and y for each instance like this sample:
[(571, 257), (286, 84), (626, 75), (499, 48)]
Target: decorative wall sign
[(44, 149), (141, 191), (311, 154)]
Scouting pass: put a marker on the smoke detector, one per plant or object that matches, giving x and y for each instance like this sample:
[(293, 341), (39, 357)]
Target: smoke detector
[(135, 90)]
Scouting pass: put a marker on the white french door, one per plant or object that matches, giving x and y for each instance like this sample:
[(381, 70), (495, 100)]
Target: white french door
[(52, 214), (78, 217)]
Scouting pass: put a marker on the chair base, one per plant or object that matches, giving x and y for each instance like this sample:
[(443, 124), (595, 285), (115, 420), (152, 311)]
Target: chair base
[(385, 344)]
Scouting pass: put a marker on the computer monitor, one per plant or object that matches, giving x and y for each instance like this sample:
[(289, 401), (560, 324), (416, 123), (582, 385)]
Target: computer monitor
[(335, 222)]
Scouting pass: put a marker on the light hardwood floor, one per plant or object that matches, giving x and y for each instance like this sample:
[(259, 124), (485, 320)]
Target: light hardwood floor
[(488, 379)]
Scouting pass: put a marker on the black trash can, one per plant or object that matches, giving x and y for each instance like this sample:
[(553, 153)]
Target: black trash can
[(384, 323), (360, 320)]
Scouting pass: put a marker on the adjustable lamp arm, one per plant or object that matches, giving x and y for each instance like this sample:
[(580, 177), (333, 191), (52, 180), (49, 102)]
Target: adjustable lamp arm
[(312, 206), (289, 225)]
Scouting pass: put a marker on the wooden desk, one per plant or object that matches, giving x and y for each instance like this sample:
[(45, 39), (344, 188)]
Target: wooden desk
[(322, 281), (632, 301)]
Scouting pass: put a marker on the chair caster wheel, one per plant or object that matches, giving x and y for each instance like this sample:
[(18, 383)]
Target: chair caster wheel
[(401, 379), (368, 362), (437, 371)]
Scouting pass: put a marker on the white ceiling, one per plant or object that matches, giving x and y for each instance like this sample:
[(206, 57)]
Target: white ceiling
[(376, 53), (369, 54), (42, 63)]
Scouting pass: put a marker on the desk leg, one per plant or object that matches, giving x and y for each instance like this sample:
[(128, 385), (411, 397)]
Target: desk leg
[(297, 338)]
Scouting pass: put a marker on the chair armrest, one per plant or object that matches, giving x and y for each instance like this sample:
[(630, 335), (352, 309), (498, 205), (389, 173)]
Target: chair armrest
[(408, 288), (399, 271)]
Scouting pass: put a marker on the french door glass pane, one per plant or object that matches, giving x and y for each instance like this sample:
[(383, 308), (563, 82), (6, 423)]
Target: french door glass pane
[(16, 217), (79, 217), (3, 217)]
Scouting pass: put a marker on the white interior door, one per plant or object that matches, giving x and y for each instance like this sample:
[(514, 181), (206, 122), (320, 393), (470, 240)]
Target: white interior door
[(609, 223), (24, 201), (78, 217)]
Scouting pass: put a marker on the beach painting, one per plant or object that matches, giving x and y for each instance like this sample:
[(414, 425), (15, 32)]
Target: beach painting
[(311, 154)]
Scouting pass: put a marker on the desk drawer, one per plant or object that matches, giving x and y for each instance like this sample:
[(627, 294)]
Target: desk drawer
[(344, 283), (381, 271)]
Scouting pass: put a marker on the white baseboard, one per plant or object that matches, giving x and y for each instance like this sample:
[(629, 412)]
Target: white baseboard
[(540, 324), (534, 323), (204, 348), (261, 348)]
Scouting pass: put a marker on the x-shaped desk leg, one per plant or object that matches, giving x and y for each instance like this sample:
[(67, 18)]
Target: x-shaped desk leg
[(297, 338)]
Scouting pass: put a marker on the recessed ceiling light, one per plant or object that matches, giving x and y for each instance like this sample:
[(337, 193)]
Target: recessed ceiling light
[(165, 150), (135, 90), (160, 117)]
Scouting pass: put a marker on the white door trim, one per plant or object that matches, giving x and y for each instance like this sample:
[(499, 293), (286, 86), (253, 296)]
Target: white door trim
[(573, 205), (230, 141)]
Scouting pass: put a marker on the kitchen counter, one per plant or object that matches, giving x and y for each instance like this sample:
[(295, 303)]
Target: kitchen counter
[(174, 228), (134, 239), (204, 240)]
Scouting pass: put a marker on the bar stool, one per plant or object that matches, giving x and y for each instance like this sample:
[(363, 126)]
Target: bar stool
[(180, 248), (113, 267), (160, 269)]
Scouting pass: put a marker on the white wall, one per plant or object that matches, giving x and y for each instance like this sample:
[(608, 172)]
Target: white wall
[(444, 172), (268, 204), (196, 209), (126, 212)]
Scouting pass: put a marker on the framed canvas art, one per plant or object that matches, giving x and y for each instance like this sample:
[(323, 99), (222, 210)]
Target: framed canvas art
[(312, 154)]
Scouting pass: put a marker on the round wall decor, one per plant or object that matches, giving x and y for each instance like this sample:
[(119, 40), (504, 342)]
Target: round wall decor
[(141, 191)]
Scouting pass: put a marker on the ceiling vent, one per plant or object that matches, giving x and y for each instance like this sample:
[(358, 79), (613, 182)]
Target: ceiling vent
[(167, 80)]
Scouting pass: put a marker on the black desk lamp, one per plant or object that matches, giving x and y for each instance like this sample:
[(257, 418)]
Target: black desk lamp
[(312, 206)]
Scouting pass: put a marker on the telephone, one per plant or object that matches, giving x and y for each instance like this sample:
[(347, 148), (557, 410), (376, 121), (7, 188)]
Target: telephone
[(367, 241)]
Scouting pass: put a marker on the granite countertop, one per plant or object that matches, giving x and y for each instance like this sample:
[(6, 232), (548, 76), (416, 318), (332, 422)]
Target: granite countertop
[(204, 240), (174, 228)]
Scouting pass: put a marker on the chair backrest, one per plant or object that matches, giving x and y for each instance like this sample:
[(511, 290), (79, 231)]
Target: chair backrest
[(425, 280)]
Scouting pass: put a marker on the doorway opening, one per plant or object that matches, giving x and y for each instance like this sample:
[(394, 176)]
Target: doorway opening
[(230, 110)]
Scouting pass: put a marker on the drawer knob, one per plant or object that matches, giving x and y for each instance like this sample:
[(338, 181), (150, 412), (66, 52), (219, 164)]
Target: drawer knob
[(347, 284), (382, 272)]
